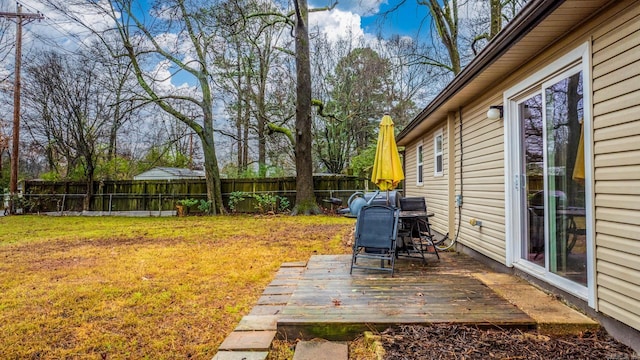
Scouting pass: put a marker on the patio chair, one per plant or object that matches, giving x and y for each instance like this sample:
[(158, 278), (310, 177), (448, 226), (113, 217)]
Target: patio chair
[(375, 238), (415, 232)]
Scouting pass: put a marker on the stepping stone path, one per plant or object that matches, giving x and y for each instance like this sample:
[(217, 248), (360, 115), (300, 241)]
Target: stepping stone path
[(252, 337), (321, 349)]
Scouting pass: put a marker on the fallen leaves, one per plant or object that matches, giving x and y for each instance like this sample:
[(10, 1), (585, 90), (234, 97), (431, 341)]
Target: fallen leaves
[(450, 341)]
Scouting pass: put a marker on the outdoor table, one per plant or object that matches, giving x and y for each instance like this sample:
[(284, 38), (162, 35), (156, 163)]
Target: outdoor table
[(411, 218), (411, 214)]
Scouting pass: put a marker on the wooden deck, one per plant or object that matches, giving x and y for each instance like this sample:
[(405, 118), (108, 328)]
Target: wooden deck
[(324, 300)]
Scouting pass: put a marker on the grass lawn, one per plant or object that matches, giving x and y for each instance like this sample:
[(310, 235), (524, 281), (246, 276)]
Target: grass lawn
[(155, 288)]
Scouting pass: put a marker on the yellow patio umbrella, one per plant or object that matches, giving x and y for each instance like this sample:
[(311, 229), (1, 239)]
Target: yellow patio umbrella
[(387, 168)]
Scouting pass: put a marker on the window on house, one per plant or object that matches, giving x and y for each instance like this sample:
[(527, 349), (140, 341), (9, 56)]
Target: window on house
[(438, 154), (419, 165)]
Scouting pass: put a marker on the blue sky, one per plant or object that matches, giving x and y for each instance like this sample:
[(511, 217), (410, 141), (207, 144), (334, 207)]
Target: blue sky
[(363, 17), (405, 20), (367, 17)]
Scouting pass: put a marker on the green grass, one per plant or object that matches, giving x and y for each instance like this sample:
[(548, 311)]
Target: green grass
[(156, 288)]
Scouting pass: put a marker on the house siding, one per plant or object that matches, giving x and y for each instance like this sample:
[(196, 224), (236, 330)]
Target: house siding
[(410, 178), (616, 120), (435, 188), (481, 181), (479, 172)]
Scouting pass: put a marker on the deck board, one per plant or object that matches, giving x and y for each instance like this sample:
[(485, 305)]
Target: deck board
[(329, 302)]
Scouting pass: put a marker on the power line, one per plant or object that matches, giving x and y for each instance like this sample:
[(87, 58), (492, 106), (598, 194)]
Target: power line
[(64, 33)]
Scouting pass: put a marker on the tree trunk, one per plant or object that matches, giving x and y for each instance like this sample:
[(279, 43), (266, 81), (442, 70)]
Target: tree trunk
[(86, 204), (496, 18), (262, 138), (305, 197), (446, 21), (212, 174), (245, 138), (211, 169), (239, 115)]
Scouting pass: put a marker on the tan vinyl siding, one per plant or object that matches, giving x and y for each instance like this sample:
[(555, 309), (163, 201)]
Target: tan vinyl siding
[(435, 188), (616, 120), (410, 167), (482, 180)]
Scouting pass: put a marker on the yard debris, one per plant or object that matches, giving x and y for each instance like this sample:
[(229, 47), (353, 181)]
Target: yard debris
[(450, 341)]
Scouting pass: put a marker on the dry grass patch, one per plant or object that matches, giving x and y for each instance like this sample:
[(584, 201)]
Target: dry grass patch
[(157, 288)]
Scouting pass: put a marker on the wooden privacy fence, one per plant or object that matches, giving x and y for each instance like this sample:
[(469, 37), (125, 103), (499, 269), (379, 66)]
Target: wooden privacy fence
[(163, 195)]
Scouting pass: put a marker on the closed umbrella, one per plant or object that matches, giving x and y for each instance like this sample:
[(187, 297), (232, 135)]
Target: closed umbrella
[(387, 168)]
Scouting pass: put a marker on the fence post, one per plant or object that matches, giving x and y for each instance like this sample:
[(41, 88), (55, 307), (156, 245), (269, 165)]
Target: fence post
[(110, 200)]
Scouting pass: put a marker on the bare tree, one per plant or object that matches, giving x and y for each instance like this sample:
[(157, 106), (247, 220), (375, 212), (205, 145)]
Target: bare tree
[(117, 78), (71, 114), (446, 27), (446, 23), (407, 81), (179, 34), (6, 47), (251, 65), (500, 12)]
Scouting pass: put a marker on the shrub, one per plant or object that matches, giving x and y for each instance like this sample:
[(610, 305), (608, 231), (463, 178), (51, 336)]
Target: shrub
[(188, 202), (234, 198), (205, 206), (263, 202)]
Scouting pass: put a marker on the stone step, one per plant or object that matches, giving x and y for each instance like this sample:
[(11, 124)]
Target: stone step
[(552, 316), (321, 349), (248, 341), (241, 355)]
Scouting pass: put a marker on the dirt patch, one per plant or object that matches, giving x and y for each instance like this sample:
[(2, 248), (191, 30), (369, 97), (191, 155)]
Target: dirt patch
[(459, 342)]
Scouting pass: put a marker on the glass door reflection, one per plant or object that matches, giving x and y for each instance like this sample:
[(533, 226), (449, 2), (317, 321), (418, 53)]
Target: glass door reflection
[(532, 140)]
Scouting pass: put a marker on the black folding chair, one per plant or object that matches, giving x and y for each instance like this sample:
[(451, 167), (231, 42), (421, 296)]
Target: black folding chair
[(375, 238)]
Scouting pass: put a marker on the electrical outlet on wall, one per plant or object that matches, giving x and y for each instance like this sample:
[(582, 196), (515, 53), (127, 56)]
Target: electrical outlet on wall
[(458, 200)]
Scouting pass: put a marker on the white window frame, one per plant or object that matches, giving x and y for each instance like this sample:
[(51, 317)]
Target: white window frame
[(438, 153), (578, 57), (419, 164)]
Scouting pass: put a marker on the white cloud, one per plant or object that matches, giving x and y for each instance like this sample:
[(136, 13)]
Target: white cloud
[(162, 76), (56, 29), (359, 7), (337, 24)]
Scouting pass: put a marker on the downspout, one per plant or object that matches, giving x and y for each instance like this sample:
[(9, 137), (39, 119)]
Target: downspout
[(459, 197), (461, 153)]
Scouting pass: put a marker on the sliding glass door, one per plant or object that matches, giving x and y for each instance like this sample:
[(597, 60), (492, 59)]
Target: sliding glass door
[(564, 182), (551, 173)]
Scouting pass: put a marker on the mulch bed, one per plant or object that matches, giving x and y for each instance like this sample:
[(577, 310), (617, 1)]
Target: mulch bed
[(460, 342)]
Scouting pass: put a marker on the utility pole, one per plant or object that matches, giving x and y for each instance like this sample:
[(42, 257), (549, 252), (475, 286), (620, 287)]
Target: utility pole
[(20, 18)]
